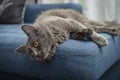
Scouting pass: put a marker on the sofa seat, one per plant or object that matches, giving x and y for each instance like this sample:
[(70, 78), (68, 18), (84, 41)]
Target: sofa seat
[(74, 60)]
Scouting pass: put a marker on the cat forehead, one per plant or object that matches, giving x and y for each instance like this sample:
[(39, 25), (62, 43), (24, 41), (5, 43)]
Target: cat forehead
[(33, 39)]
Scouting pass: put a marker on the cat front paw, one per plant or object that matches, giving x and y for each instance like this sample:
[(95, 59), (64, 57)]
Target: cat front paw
[(103, 42), (99, 40)]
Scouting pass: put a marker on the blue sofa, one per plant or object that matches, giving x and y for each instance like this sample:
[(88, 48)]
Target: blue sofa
[(74, 60)]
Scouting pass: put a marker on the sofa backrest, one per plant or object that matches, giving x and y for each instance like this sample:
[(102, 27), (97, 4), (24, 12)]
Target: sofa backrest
[(33, 10)]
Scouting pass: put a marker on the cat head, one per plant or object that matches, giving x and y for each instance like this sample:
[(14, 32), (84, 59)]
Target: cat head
[(39, 45)]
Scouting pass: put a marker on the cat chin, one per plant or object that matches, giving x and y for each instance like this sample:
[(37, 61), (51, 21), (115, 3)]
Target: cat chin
[(46, 55), (44, 59)]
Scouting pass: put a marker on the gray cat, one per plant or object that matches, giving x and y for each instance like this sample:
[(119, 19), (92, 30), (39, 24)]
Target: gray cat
[(55, 26)]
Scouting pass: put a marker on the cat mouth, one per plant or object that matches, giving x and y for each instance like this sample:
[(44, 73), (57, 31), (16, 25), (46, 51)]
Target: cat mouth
[(46, 55), (41, 58)]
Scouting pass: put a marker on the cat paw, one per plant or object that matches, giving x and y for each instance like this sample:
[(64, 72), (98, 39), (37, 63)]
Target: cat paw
[(97, 23), (114, 31), (100, 40)]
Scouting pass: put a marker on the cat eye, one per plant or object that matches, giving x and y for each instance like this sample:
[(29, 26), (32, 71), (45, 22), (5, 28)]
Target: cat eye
[(35, 44)]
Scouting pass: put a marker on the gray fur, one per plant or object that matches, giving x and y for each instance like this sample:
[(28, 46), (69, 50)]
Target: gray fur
[(55, 26)]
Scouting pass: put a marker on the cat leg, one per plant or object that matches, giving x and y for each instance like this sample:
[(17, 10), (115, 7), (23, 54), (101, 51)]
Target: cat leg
[(96, 23), (112, 30), (59, 37), (79, 27), (81, 35), (110, 27), (95, 37), (90, 33), (79, 30), (52, 51), (98, 39)]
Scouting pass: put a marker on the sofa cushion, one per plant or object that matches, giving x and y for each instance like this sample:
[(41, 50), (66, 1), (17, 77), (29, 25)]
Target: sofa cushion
[(39, 8), (74, 60), (11, 11)]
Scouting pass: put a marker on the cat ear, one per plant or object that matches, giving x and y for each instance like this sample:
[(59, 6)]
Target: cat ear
[(21, 49), (29, 30)]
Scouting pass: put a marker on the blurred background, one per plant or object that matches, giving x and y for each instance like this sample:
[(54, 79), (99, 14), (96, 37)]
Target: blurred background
[(100, 10)]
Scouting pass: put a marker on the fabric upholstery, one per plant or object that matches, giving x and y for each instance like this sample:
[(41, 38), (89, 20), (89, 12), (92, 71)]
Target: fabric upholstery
[(112, 73), (32, 11), (13, 13), (79, 60), (74, 60)]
